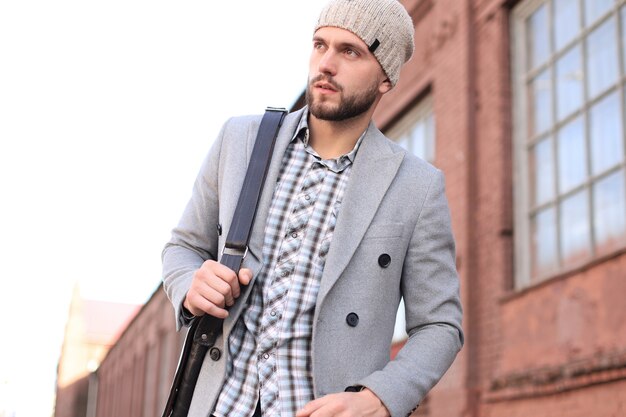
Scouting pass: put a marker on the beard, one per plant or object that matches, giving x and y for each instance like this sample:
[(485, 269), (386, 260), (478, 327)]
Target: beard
[(348, 107)]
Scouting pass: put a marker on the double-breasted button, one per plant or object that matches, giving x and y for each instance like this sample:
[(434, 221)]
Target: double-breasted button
[(384, 260), (215, 354), (352, 319)]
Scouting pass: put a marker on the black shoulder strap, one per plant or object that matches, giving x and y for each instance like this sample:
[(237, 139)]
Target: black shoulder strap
[(238, 236), (206, 329)]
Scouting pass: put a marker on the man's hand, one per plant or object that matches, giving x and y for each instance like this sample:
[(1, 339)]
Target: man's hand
[(213, 288), (345, 404)]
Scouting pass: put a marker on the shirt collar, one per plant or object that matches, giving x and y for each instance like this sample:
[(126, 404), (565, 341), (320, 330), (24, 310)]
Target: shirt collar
[(302, 133)]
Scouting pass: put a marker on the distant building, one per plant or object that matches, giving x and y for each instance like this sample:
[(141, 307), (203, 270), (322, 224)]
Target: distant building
[(521, 103), (135, 377), (92, 328)]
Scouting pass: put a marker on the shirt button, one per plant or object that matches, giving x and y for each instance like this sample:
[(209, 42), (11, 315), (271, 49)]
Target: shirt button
[(273, 313), (307, 197), (266, 356), (294, 235)]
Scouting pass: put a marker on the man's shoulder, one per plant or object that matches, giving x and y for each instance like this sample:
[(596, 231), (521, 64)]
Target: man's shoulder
[(249, 124), (244, 122)]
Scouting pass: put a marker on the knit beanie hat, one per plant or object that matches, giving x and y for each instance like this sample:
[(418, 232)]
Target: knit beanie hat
[(384, 26)]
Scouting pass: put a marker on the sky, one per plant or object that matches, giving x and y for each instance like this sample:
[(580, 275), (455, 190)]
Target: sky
[(107, 109)]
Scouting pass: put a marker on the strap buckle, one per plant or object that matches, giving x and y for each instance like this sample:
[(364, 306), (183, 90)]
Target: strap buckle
[(234, 251), (276, 109)]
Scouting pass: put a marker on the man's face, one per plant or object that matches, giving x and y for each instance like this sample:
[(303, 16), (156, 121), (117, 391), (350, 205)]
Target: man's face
[(345, 79)]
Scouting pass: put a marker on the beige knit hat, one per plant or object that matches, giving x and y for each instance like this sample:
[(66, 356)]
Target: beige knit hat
[(384, 26)]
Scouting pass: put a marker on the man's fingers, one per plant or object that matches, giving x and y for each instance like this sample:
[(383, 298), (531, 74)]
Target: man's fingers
[(227, 275), (215, 287), (218, 292), (311, 407), (245, 276), (209, 304), (364, 403)]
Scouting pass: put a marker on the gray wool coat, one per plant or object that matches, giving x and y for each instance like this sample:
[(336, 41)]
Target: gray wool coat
[(394, 204)]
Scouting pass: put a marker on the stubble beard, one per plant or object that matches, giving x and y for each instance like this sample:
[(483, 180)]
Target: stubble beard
[(347, 108)]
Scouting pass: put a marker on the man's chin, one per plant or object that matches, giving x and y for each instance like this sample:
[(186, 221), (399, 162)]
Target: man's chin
[(324, 111)]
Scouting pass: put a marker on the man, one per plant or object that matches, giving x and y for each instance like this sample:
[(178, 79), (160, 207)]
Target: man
[(348, 223)]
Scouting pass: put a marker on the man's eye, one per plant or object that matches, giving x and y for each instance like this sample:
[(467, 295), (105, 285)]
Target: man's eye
[(351, 52)]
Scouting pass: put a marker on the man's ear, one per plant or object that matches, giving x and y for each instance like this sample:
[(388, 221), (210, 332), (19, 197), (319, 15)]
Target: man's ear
[(385, 86)]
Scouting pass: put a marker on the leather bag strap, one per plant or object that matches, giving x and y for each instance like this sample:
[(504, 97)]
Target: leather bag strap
[(205, 330), (236, 245)]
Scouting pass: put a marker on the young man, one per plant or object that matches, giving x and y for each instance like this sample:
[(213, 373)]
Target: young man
[(348, 223)]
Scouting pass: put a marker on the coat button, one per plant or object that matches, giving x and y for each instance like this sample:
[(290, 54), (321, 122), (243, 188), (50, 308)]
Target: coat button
[(384, 260), (215, 354), (352, 319)]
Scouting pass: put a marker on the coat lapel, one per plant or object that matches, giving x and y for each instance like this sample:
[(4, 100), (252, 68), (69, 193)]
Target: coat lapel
[(374, 168)]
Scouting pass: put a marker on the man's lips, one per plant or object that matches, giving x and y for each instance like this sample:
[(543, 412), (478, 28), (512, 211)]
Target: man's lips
[(325, 87)]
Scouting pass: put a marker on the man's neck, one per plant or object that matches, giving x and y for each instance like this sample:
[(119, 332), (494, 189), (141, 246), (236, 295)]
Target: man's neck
[(333, 139)]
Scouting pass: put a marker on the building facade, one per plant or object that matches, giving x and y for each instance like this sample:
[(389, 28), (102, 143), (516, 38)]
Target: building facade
[(92, 328), (521, 104)]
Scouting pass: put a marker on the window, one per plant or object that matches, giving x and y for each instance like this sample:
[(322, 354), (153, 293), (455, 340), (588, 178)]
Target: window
[(416, 130), (416, 133), (569, 68)]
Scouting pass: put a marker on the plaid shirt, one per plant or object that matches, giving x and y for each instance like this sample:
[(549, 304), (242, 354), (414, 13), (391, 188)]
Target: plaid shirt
[(270, 345)]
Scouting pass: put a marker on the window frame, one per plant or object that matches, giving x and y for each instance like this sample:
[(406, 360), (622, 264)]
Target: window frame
[(524, 142), (421, 110)]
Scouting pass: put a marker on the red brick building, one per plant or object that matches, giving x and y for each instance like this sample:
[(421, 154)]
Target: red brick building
[(521, 104)]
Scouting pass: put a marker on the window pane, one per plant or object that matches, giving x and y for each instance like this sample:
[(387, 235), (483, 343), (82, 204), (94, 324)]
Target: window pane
[(596, 8), (541, 103), (418, 139), (430, 137), (602, 67), (538, 37), (606, 134), (566, 21), (609, 205), (569, 76), (571, 153), (543, 170), (415, 131), (404, 142), (545, 256), (574, 227), (623, 19)]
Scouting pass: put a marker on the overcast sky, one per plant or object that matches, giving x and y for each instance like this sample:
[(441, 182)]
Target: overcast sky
[(106, 111)]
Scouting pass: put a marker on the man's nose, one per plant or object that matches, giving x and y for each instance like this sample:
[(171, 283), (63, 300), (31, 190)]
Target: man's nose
[(327, 63)]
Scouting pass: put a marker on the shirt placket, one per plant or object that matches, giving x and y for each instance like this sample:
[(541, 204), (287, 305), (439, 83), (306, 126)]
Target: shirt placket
[(281, 279)]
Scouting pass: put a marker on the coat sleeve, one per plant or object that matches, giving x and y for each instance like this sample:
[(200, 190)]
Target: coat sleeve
[(430, 287), (194, 240)]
